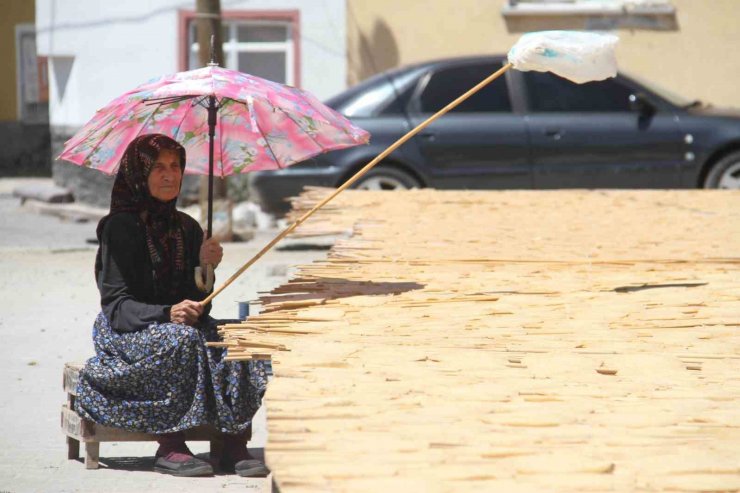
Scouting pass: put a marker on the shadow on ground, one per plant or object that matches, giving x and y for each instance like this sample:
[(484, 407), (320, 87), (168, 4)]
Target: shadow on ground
[(301, 289), (146, 464), (297, 247), (642, 287)]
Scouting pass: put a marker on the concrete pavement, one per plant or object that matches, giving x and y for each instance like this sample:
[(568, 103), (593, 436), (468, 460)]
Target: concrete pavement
[(51, 301), (23, 228)]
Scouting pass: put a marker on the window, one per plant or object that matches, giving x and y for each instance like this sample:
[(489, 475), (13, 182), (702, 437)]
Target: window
[(448, 84), (539, 15), (562, 6), (31, 77), (549, 93), (384, 94), (263, 48)]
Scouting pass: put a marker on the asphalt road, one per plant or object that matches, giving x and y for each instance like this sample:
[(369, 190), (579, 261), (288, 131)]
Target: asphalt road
[(22, 228)]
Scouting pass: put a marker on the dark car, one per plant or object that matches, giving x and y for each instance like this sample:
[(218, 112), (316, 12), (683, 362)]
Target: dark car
[(524, 130)]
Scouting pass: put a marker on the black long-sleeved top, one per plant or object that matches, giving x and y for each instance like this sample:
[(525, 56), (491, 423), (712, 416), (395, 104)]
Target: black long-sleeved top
[(125, 281)]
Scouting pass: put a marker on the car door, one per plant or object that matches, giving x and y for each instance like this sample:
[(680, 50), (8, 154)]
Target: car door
[(479, 144), (586, 136)]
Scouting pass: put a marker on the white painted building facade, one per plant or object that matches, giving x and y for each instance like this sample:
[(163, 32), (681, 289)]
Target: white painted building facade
[(99, 49)]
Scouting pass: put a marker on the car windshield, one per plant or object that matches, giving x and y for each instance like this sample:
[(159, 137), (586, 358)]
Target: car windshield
[(671, 97), (371, 96)]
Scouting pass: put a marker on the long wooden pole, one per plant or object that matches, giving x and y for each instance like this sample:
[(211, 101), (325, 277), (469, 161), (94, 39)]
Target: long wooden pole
[(358, 175)]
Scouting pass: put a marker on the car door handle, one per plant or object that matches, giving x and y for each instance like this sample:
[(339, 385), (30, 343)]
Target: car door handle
[(428, 135), (554, 133)]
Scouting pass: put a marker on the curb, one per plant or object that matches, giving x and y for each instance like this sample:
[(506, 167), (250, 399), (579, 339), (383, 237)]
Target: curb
[(67, 211)]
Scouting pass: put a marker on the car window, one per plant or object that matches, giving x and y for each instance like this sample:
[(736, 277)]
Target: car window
[(384, 94), (662, 92), (548, 93), (447, 84), (365, 103)]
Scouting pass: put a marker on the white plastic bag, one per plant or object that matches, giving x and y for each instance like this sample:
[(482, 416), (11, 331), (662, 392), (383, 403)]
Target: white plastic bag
[(577, 56)]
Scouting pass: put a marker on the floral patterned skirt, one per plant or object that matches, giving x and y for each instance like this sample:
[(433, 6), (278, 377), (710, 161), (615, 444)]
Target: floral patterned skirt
[(164, 379)]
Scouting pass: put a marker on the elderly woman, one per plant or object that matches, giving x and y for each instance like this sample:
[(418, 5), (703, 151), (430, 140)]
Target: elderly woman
[(152, 371)]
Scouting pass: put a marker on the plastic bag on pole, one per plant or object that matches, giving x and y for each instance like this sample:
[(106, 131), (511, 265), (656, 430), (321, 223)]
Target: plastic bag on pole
[(577, 56)]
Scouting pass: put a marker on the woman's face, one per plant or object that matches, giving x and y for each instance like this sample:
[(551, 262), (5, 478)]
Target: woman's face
[(165, 176)]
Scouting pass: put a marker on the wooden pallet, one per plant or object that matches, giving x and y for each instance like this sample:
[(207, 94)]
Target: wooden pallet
[(79, 429)]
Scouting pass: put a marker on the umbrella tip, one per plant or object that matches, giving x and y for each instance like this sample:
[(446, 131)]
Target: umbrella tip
[(213, 62)]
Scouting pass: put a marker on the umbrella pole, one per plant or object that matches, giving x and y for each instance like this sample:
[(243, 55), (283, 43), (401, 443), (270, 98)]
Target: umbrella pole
[(204, 274), (357, 176), (211, 133)]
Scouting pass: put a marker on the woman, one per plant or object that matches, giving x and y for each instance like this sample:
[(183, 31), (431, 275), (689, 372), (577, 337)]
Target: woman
[(152, 371)]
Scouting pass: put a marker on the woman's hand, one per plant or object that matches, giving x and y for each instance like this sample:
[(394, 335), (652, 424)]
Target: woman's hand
[(186, 312), (211, 252)]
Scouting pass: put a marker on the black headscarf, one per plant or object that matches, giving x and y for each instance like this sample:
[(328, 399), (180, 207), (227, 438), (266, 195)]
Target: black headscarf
[(162, 225)]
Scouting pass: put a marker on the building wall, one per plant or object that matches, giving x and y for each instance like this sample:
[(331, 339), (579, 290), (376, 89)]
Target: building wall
[(14, 12), (100, 49), (25, 144), (698, 60)]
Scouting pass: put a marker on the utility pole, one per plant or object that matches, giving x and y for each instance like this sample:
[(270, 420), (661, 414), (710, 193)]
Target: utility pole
[(208, 22)]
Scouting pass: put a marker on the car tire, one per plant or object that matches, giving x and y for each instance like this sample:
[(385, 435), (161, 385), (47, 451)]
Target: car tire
[(725, 173), (386, 178)]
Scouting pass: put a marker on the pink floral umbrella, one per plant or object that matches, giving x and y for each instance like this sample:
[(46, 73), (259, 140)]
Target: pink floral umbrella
[(261, 125)]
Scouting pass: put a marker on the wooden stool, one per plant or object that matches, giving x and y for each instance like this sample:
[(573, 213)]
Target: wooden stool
[(79, 429)]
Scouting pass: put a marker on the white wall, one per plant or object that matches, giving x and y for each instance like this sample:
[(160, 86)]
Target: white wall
[(103, 48)]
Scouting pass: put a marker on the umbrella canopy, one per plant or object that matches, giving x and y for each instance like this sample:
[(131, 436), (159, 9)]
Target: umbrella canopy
[(261, 125)]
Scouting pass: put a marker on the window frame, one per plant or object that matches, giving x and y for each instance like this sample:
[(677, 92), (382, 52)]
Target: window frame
[(588, 7), (289, 17), (539, 15)]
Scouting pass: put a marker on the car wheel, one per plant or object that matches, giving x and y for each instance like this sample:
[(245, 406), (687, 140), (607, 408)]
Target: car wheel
[(386, 178), (725, 173)]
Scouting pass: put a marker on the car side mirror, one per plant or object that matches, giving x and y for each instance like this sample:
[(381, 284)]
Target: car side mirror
[(639, 103)]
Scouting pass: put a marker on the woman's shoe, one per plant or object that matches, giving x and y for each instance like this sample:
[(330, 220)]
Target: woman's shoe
[(175, 458), (246, 468), (251, 468), (236, 459), (182, 464)]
